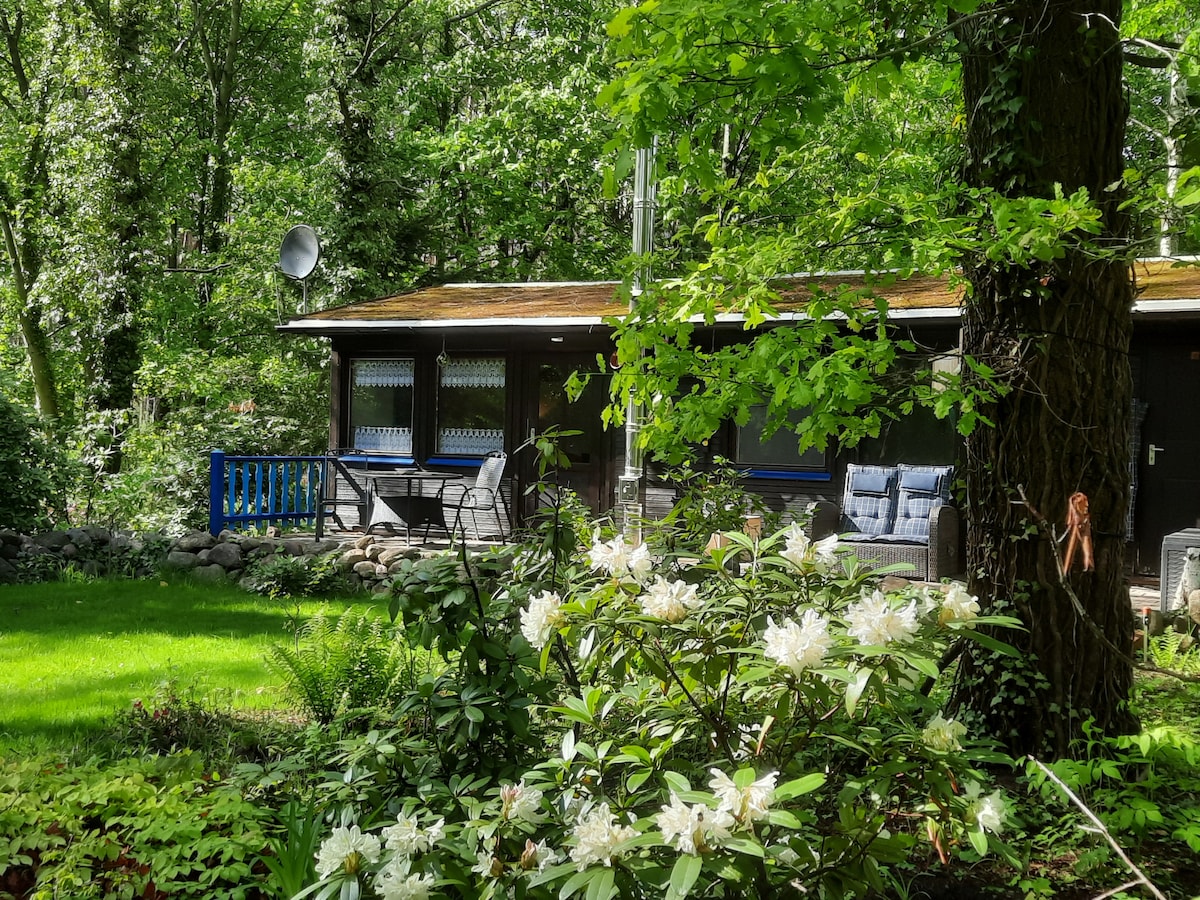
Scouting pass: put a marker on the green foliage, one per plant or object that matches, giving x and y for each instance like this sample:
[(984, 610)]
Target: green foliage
[(710, 500), (153, 827), (704, 743), (281, 576), (1142, 787), (1174, 651), (348, 668), (476, 714), (32, 469)]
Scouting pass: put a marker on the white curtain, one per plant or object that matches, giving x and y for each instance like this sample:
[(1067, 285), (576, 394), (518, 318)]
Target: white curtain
[(384, 372), (473, 373)]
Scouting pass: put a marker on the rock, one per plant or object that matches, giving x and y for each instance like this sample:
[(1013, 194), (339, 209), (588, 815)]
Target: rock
[(375, 551), (8, 536), (213, 574), (79, 537), (227, 556), (194, 542), (9, 551), (293, 547), (52, 540), (389, 556), (8, 572), (381, 571), (68, 551), (203, 556), (316, 548), (249, 542), (351, 558), (365, 541), (181, 559), (365, 569), (99, 535), (890, 583)]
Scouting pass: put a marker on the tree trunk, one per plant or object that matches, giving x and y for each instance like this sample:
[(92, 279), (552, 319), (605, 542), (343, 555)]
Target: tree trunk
[(1042, 85)]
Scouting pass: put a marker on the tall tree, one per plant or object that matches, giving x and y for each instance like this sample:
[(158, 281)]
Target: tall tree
[(27, 92), (1036, 222), (1046, 115)]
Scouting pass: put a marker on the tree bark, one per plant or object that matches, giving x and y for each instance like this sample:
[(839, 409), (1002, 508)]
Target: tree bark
[(1044, 102)]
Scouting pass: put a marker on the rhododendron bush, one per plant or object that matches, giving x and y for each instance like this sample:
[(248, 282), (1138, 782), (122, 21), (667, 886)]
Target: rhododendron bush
[(751, 721)]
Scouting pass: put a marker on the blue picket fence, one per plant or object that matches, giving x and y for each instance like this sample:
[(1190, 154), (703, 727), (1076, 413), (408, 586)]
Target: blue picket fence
[(247, 491)]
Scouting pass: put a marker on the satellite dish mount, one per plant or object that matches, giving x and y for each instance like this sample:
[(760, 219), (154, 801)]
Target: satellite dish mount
[(298, 256)]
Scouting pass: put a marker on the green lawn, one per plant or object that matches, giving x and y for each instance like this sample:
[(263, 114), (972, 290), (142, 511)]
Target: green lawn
[(72, 654)]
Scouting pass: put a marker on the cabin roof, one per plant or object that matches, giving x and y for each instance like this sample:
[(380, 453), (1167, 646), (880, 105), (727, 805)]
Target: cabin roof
[(1164, 289)]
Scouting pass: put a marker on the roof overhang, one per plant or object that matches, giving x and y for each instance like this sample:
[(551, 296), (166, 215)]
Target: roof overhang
[(1167, 292)]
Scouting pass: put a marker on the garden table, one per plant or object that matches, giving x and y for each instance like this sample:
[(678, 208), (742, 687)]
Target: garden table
[(391, 506)]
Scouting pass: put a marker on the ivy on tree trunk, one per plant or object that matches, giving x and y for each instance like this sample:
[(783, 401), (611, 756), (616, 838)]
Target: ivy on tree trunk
[(1045, 107)]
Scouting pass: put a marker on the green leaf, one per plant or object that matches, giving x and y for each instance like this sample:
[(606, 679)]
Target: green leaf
[(797, 786), (683, 875)]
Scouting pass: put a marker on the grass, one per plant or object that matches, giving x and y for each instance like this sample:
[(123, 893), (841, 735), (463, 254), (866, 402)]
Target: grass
[(72, 654)]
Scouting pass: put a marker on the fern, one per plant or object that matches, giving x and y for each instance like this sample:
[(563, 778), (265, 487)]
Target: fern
[(343, 667), (1174, 650)]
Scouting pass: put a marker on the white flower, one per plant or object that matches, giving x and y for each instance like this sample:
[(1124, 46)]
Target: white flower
[(539, 856), (798, 646), (395, 882), (640, 563), (596, 837), (943, 734), (669, 600), (958, 605), (346, 849), (521, 802), (990, 812), (619, 559), (542, 618), (805, 554), (875, 622), (748, 804), (407, 839), (693, 829)]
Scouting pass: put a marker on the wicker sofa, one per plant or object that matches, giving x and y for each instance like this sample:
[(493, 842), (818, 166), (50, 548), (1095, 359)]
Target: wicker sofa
[(896, 514)]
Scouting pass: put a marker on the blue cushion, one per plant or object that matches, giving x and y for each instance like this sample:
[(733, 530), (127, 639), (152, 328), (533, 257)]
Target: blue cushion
[(922, 490), (925, 482), (869, 502), (870, 484)]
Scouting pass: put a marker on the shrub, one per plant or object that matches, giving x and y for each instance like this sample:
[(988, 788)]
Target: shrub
[(31, 470), (281, 575), (724, 730)]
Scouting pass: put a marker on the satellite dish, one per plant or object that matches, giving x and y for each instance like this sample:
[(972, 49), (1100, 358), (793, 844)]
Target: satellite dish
[(299, 252)]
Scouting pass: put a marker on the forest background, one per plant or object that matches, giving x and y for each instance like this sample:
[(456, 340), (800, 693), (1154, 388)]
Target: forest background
[(152, 156)]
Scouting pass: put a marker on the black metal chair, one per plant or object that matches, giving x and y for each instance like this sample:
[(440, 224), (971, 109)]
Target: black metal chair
[(485, 495)]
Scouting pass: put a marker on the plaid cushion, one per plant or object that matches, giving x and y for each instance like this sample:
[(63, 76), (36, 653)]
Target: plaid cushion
[(869, 500), (922, 490)]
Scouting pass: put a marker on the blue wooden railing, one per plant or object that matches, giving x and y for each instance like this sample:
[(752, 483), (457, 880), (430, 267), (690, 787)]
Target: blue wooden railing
[(262, 490)]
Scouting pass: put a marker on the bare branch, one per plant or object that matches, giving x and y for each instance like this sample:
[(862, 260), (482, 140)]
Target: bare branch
[(1141, 878)]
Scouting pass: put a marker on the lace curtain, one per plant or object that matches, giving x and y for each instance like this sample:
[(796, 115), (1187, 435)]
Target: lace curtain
[(473, 373), (470, 441), (384, 372), (379, 437)]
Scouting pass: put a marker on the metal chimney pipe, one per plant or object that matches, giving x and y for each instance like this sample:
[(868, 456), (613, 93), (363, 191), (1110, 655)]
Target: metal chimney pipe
[(629, 494)]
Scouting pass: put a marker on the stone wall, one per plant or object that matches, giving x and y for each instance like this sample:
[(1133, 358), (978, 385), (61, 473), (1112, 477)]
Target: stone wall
[(100, 552)]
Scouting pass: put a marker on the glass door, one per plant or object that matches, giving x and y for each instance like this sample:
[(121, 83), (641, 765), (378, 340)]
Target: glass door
[(591, 452)]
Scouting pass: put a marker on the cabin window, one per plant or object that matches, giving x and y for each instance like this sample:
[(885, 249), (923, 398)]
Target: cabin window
[(470, 406), (779, 451), (381, 404)]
